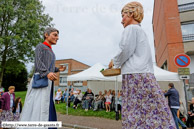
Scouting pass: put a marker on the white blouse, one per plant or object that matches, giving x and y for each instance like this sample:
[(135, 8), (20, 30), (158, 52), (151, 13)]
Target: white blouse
[(108, 98), (134, 54)]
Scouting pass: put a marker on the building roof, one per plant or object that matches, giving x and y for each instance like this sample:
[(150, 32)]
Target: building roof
[(73, 60)]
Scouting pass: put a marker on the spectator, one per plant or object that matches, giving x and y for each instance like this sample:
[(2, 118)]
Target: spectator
[(108, 98), (75, 93), (78, 99), (98, 101), (1, 91), (110, 90), (71, 99), (105, 93), (119, 101), (88, 96), (190, 119), (17, 109), (113, 93), (113, 100), (64, 95), (181, 114), (174, 104), (87, 90), (58, 96), (72, 89), (7, 103)]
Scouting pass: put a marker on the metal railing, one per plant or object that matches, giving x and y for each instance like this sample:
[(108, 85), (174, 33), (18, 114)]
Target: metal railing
[(186, 7), (188, 37)]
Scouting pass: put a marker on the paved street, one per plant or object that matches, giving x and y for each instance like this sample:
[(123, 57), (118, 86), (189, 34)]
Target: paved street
[(92, 122)]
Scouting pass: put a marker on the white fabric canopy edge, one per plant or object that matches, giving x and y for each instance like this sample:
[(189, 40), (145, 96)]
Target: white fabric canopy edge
[(93, 73)]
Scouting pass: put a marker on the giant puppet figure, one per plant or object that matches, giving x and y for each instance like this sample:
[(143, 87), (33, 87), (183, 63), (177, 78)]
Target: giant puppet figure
[(143, 102), (39, 102)]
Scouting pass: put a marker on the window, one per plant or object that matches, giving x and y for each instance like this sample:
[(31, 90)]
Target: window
[(165, 66), (63, 81), (186, 7), (187, 31), (78, 83)]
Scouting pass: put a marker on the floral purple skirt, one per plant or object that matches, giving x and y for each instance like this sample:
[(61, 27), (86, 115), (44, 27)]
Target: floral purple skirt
[(7, 115), (144, 105), (16, 116)]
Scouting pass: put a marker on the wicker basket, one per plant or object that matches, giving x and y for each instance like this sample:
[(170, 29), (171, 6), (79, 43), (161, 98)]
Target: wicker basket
[(111, 72)]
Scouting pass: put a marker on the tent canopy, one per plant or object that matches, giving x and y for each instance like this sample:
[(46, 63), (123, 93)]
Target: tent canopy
[(93, 73), (164, 75)]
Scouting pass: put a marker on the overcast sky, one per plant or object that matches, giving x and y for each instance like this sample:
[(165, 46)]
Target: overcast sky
[(90, 30)]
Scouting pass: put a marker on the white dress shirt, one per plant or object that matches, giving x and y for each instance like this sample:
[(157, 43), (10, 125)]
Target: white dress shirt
[(134, 54)]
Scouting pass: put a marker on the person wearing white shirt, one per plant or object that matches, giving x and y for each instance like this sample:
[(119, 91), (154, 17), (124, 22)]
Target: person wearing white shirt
[(78, 99), (143, 102), (75, 93), (108, 98)]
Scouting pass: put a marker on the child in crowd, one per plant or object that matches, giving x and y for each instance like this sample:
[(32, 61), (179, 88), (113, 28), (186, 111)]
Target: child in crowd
[(17, 109), (108, 98)]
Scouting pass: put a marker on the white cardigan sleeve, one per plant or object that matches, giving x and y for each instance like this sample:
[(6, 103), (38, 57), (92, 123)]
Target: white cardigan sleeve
[(127, 46)]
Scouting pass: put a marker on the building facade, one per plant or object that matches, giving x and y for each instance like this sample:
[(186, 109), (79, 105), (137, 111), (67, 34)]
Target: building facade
[(173, 27), (72, 67)]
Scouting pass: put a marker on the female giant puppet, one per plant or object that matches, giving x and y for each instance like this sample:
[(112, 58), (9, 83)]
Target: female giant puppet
[(143, 102), (39, 102)]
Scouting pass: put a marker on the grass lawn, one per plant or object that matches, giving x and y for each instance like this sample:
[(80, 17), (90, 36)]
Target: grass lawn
[(21, 94), (76, 112)]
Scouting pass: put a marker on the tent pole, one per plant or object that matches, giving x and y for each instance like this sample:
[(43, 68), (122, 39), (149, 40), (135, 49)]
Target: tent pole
[(116, 98), (116, 95), (67, 100)]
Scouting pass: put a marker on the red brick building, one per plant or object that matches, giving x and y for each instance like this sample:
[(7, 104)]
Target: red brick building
[(72, 67), (173, 27)]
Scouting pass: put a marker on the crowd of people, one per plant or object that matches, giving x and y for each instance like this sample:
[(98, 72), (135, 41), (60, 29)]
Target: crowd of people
[(10, 108), (88, 100), (141, 100), (106, 101)]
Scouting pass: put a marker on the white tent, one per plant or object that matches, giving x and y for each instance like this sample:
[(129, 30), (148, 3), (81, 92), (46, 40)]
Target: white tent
[(163, 75), (93, 73), (97, 82)]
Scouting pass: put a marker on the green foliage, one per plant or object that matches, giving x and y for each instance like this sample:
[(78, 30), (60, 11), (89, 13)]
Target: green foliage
[(22, 23), (14, 67), (16, 75)]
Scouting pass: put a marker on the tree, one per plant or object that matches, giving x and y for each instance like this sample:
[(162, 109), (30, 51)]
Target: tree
[(30, 75), (15, 75), (22, 23)]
